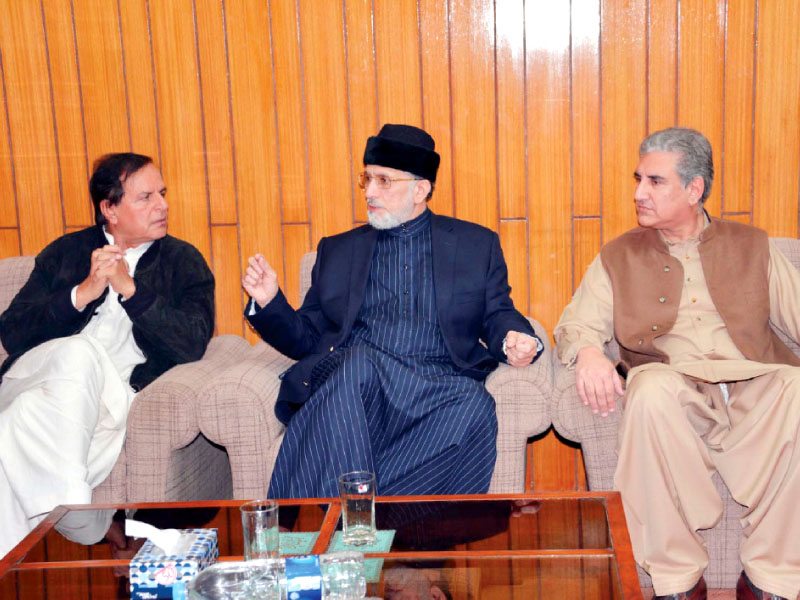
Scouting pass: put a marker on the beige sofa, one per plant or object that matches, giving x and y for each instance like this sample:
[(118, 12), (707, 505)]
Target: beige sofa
[(236, 412), (165, 457), (598, 436)]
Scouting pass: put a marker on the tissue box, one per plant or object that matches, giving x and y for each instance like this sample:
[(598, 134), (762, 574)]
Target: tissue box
[(157, 575)]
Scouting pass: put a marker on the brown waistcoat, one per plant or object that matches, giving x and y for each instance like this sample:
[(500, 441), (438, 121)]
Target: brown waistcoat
[(735, 260)]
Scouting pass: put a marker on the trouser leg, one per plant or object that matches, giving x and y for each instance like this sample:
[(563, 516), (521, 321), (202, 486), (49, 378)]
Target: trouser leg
[(759, 460), (46, 427), (664, 476)]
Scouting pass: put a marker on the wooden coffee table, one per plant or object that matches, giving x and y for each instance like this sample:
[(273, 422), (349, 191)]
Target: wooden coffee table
[(482, 547)]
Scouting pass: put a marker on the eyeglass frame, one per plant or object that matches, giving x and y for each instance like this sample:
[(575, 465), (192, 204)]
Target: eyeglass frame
[(391, 180)]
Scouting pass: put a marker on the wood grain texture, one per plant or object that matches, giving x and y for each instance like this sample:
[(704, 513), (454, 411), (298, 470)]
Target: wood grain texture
[(30, 117), (216, 111), (67, 109), (662, 62), (700, 80), (9, 243), (289, 103), (777, 143), (226, 263), (736, 157), (8, 199), (514, 241)]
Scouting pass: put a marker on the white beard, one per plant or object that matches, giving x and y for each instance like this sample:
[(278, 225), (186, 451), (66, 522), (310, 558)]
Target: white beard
[(390, 220)]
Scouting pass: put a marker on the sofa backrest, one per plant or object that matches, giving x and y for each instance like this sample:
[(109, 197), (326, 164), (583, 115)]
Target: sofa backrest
[(14, 272), (306, 264)]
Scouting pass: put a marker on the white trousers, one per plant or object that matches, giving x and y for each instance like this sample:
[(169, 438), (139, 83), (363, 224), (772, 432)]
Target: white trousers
[(63, 410)]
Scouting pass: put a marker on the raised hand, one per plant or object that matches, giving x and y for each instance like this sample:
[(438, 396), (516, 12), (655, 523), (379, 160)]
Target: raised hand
[(260, 280), (520, 348)]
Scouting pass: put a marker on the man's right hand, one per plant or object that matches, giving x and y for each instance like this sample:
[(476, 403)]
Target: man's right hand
[(260, 280), (597, 380), (103, 263)]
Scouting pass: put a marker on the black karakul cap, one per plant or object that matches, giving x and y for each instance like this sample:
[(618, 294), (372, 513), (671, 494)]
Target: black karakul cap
[(403, 147)]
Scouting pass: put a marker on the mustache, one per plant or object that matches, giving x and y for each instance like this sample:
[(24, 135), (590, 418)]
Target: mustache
[(374, 203)]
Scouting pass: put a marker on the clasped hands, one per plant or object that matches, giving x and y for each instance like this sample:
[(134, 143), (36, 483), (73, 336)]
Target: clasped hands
[(597, 380), (108, 267)]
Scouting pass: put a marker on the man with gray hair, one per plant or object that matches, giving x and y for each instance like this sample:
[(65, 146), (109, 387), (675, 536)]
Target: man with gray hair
[(705, 383)]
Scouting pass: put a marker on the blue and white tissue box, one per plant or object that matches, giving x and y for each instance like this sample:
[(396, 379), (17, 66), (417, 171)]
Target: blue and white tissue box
[(156, 575)]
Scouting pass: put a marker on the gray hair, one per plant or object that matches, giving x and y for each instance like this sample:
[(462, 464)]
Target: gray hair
[(695, 158)]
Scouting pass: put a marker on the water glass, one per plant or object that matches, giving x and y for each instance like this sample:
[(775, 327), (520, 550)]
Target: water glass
[(260, 528), (357, 490)]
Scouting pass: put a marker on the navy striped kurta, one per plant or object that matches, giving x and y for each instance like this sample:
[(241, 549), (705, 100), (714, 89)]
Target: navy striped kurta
[(390, 400)]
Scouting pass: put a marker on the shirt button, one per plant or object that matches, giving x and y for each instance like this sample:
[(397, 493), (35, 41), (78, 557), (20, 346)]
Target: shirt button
[(666, 268), (405, 292), (662, 299), (640, 342), (654, 328), (687, 257), (305, 383), (688, 279), (331, 348), (698, 318), (405, 267), (694, 299)]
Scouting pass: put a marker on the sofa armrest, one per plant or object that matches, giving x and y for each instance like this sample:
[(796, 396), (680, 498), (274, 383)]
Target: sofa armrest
[(163, 418), (237, 411), (522, 397)]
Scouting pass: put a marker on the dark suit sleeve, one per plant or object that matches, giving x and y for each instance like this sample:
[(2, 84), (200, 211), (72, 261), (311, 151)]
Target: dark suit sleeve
[(500, 316), (42, 310), (294, 333), (179, 322)]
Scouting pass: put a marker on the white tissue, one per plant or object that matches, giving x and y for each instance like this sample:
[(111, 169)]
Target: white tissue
[(166, 539)]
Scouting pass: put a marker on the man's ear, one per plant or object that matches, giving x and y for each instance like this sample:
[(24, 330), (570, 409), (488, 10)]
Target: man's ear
[(421, 191), (109, 211), (696, 187), (437, 593)]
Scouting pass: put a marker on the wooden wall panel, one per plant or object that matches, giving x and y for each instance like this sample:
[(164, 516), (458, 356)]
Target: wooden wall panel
[(289, 100), (586, 107), (511, 123), (436, 97), (140, 85), (662, 77), (257, 112), (702, 42), (736, 155), (183, 161), (777, 112), (70, 139), (474, 148), (30, 116), (216, 110)]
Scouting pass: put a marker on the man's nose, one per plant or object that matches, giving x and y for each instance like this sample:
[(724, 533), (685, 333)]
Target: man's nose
[(640, 192)]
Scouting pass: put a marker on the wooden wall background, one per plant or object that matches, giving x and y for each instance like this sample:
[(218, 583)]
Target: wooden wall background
[(257, 112)]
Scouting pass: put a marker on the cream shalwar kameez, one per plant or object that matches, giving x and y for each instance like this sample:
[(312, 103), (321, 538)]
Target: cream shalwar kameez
[(708, 409), (63, 409)]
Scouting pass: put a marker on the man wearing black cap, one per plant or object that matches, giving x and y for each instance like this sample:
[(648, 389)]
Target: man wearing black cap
[(390, 372)]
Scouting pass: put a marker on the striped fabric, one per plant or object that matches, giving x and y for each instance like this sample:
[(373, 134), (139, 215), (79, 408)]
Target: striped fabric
[(390, 401)]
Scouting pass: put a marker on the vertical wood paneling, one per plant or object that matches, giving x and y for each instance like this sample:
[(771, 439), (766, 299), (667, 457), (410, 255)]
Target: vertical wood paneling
[(216, 111), (511, 124), (140, 82), (67, 110), (623, 59), (473, 152), (9, 243), (586, 244), (254, 132), (8, 203), (102, 79), (183, 162), (777, 143), (586, 107), (514, 241), (736, 157), (661, 64), (549, 182), (227, 273), (397, 34), (322, 41), (296, 244), (702, 37), (436, 97), (361, 91), (31, 124), (289, 103)]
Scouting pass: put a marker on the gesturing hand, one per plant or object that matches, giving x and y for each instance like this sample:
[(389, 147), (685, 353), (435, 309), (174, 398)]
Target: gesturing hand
[(520, 348), (597, 380), (260, 280)]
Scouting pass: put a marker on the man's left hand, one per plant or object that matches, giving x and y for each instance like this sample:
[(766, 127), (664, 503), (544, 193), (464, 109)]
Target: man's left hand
[(520, 348), (119, 278)]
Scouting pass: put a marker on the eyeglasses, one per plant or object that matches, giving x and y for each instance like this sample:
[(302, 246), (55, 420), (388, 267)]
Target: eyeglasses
[(383, 182)]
